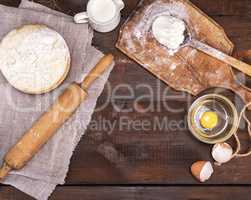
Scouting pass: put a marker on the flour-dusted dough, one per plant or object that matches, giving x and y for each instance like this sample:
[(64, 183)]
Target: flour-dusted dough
[(34, 59), (169, 31)]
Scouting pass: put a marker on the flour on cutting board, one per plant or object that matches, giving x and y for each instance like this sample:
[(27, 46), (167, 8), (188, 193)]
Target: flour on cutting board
[(144, 27), (169, 31)]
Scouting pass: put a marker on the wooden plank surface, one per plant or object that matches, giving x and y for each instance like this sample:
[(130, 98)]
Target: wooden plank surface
[(137, 193), (162, 155)]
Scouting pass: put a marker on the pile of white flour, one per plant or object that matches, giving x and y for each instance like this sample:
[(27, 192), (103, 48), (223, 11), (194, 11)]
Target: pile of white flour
[(169, 31)]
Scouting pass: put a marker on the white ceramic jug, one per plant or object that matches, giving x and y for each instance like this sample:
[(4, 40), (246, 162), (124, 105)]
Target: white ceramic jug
[(102, 15)]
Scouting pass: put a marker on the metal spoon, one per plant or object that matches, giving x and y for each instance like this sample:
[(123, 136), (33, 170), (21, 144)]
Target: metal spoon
[(211, 51), (190, 41)]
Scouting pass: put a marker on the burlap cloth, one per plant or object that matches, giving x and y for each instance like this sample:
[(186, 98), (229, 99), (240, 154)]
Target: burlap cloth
[(18, 111)]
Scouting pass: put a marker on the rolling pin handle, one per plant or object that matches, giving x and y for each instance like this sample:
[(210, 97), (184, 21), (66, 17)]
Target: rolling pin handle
[(97, 71), (4, 171)]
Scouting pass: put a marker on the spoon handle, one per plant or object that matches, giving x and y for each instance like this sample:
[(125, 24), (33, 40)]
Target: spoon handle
[(243, 67)]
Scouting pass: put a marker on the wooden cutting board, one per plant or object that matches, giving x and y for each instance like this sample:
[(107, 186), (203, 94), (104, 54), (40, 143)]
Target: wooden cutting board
[(188, 69)]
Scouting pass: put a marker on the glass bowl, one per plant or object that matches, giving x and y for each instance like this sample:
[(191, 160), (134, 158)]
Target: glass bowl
[(227, 118)]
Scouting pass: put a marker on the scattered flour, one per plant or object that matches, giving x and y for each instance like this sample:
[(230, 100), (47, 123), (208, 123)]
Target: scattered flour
[(173, 66), (169, 31)]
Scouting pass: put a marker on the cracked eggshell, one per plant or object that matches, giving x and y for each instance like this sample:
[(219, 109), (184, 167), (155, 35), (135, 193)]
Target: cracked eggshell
[(222, 152), (202, 170)]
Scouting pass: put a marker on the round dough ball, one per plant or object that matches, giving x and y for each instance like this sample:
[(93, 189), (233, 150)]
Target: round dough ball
[(34, 59), (169, 31)]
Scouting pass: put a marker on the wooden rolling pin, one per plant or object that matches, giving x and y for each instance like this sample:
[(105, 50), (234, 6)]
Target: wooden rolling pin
[(51, 121)]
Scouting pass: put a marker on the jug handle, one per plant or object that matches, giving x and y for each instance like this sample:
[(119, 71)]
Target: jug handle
[(81, 18), (119, 3)]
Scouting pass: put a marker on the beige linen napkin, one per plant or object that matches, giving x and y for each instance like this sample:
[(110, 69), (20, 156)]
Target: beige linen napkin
[(18, 111)]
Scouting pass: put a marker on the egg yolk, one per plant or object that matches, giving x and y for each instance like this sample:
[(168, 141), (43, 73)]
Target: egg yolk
[(209, 120)]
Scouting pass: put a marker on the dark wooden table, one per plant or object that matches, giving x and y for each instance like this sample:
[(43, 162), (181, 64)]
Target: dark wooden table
[(129, 162)]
